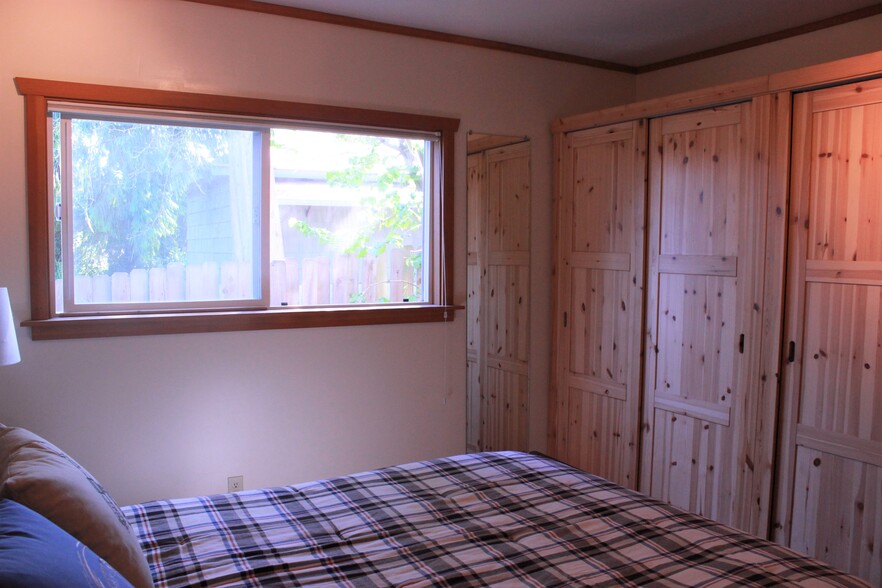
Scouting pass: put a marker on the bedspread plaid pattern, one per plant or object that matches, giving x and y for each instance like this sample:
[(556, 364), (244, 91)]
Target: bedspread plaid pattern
[(504, 519)]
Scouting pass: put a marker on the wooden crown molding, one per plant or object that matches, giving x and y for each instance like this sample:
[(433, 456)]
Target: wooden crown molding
[(811, 27), (372, 25)]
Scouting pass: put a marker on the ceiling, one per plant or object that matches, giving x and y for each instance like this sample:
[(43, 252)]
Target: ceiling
[(641, 34)]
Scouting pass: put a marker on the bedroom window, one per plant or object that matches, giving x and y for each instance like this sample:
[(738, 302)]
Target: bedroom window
[(350, 214), (157, 212), (165, 212)]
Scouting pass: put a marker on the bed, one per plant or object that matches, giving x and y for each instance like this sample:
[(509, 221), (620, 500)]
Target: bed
[(486, 519), (508, 519)]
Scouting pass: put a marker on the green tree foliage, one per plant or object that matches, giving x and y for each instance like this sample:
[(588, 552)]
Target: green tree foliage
[(130, 186), (395, 166), (131, 183)]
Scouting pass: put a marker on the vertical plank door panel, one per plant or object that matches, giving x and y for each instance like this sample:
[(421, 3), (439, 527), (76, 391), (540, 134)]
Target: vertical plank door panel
[(594, 396), (505, 295), (475, 237), (830, 474), (704, 414)]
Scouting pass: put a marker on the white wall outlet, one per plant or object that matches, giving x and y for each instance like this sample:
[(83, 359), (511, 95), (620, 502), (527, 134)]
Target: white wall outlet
[(235, 483)]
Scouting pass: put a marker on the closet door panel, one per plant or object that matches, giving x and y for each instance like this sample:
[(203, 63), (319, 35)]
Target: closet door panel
[(473, 309), (599, 315), (473, 406), (697, 324), (508, 199), (841, 343), (842, 531), (701, 168), (508, 287), (505, 295), (505, 407), (849, 147), (597, 440), (475, 229), (703, 411), (595, 386), (831, 448), (695, 450)]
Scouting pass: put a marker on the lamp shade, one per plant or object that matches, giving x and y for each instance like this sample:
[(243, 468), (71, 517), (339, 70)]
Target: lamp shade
[(8, 343)]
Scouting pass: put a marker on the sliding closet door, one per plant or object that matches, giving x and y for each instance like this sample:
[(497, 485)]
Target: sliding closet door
[(707, 427), (831, 450), (594, 420), (505, 296), (498, 346), (475, 228)]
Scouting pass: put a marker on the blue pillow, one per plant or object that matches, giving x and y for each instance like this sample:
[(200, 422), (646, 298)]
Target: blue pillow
[(35, 553)]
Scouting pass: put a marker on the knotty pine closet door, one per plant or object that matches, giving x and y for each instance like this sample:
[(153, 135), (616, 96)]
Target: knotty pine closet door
[(475, 229), (830, 467), (594, 420), (499, 290), (706, 427)]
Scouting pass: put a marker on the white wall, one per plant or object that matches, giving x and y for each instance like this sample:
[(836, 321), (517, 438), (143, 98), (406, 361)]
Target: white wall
[(164, 416), (847, 40)]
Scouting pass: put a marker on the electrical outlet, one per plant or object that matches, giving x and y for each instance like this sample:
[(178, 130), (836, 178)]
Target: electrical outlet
[(235, 483)]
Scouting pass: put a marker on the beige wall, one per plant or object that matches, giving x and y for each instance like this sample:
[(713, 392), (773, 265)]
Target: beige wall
[(165, 416), (848, 40)]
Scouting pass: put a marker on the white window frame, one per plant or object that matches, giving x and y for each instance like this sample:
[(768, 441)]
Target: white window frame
[(261, 268), (430, 214)]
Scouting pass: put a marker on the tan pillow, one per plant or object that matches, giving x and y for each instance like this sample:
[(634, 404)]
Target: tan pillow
[(37, 474)]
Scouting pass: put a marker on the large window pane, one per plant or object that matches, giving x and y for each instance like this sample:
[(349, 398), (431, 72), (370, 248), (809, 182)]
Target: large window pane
[(158, 214), (351, 223)]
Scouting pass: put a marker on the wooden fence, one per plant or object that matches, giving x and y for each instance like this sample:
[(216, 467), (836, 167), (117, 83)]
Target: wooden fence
[(342, 279)]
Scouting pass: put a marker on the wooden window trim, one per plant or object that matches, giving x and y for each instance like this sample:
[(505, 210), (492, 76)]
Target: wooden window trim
[(37, 93), (78, 327)]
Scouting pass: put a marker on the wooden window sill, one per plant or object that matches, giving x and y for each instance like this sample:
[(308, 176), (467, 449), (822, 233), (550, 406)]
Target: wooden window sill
[(126, 325)]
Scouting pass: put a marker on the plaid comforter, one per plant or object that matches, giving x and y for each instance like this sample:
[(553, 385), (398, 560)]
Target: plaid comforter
[(506, 519)]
